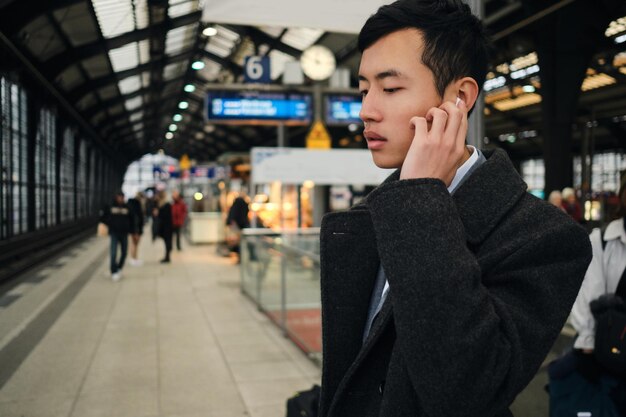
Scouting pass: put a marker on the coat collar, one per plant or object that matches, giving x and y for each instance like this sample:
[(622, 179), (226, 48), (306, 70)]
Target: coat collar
[(615, 230), (495, 181)]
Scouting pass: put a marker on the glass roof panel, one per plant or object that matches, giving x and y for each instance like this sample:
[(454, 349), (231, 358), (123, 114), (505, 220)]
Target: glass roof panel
[(133, 103), (301, 38), (278, 60), (124, 58), (141, 14), (130, 84), (217, 50), (273, 31), (181, 7), (226, 33), (114, 16), (177, 39)]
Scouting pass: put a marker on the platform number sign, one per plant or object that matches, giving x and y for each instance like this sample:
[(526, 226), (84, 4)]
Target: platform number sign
[(257, 69)]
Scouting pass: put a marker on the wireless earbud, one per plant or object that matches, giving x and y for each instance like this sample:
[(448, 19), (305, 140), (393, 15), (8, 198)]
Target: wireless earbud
[(458, 100)]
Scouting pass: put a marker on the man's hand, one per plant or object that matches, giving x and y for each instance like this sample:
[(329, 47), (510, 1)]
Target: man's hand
[(437, 153)]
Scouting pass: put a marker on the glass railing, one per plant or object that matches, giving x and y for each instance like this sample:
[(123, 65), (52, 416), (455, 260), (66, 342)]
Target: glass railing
[(280, 272)]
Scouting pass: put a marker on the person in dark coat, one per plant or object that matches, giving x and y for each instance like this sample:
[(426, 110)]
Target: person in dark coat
[(444, 291), (164, 221), (118, 219), (136, 230)]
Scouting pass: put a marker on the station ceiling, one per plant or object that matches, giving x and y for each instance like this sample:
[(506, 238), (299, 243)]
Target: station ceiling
[(125, 66)]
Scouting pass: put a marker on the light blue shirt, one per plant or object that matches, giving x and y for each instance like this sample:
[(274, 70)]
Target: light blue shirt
[(459, 177)]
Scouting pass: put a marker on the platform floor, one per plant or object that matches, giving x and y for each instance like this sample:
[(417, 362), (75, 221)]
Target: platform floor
[(168, 340)]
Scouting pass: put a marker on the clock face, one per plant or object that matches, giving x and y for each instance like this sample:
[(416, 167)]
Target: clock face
[(318, 62)]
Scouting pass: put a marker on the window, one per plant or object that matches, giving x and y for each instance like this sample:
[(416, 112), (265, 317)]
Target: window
[(533, 173), (13, 160), (67, 177), (605, 171), (81, 180), (45, 170)]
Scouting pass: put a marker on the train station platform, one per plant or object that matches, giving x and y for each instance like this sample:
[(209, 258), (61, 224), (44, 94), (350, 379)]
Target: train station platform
[(201, 336), (167, 340)]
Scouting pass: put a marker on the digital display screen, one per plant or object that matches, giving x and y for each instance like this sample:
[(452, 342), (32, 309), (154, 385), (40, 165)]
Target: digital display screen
[(342, 109), (256, 107)]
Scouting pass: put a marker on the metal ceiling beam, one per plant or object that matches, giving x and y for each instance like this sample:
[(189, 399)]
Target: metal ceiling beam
[(260, 37), (114, 78), (60, 62), (93, 110), (15, 15)]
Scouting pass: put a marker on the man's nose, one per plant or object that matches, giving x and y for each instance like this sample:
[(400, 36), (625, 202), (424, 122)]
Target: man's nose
[(369, 111)]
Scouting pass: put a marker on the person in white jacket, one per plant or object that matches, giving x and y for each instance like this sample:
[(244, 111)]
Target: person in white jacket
[(603, 274)]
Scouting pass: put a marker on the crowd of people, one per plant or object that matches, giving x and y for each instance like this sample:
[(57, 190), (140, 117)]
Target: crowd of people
[(127, 218), (566, 201)]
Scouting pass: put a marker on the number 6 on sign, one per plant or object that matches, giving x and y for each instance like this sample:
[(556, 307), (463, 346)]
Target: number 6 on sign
[(257, 69)]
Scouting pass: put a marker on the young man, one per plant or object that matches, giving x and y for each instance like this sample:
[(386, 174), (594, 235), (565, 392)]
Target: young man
[(118, 219), (444, 291)]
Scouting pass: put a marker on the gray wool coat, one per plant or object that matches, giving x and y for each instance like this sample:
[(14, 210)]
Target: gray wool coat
[(481, 284)]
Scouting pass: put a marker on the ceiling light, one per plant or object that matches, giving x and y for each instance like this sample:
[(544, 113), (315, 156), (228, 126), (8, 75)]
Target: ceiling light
[(197, 65), (210, 31), (183, 105), (169, 135), (597, 81), (494, 83), (525, 72), (621, 38), (516, 103), (173, 127), (190, 88), (209, 128), (528, 89), (177, 117)]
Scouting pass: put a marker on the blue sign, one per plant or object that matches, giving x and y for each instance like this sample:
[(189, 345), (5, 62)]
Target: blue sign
[(250, 107), (256, 69), (342, 109)]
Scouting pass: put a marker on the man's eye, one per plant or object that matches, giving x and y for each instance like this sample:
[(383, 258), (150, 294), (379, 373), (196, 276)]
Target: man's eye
[(390, 90), (363, 93)]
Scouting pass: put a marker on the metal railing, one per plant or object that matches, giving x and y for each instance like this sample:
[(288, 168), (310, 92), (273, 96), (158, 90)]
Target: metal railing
[(280, 272)]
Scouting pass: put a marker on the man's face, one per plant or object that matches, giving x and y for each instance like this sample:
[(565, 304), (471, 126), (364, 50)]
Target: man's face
[(119, 199), (395, 86)]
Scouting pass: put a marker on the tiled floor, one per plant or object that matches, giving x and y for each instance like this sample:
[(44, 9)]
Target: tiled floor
[(174, 340)]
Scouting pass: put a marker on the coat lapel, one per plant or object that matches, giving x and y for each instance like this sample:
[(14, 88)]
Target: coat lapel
[(348, 271)]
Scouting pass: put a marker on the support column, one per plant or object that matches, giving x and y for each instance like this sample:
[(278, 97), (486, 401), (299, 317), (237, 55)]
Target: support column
[(566, 41)]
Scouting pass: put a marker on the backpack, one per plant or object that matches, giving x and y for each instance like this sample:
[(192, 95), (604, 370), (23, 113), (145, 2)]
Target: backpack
[(609, 311), (304, 403)]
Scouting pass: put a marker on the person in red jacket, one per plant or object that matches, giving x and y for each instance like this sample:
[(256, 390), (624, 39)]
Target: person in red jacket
[(179, 214)]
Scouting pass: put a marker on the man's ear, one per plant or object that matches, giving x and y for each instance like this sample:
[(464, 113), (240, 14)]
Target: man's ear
[(467, 90)]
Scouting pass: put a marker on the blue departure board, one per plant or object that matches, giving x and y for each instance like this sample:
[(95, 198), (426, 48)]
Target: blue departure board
[(342, 109), (246, 107)]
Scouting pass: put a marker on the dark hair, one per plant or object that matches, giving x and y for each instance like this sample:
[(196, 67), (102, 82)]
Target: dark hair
[(455, 42)]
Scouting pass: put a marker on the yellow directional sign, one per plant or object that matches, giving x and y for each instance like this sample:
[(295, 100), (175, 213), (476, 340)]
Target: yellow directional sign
[(318, 137), (184, 162)]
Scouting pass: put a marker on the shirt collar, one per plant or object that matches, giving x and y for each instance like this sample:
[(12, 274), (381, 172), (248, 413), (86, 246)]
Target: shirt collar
[(464, 169)]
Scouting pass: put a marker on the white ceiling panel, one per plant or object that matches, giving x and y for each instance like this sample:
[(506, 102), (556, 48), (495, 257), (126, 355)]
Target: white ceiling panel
[(345, 16)]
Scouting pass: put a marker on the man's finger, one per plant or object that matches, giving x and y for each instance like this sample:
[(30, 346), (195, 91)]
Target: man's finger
[(439, 119)]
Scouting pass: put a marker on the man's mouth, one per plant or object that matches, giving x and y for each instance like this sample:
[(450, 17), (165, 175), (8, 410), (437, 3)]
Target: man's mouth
[(373, 136), (374, 140)]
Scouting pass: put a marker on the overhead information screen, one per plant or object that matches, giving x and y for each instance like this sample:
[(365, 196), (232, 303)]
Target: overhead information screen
[(342, 109), (244, 107)]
